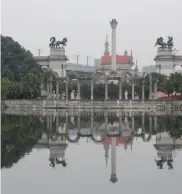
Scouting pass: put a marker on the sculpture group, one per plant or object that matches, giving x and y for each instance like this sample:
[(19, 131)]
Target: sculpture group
[(56, 44), (162, 44)]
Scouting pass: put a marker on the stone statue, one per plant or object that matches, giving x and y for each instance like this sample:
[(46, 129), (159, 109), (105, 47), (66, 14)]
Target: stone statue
[(170, 42), (160, 42), (63, 96), (52, 42), (63, 42), (72, 95), (126, 95), (72, 120), (54, 95), (56, 44)]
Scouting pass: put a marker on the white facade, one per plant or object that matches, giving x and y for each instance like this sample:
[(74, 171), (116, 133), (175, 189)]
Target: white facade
[(56, 61), (167, 61)]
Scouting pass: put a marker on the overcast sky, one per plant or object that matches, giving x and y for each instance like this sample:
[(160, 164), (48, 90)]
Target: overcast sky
[(85, 24)]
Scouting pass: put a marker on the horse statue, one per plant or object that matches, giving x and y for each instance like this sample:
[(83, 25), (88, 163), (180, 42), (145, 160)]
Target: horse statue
[(160, 42), (170, 42), (63, 42), (52, 42)]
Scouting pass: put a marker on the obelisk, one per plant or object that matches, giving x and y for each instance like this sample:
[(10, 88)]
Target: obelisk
[(114, 24)]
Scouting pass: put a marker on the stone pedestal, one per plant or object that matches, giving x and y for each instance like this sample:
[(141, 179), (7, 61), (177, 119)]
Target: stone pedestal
[(57, 61)]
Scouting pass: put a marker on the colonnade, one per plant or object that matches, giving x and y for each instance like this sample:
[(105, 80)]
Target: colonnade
[(128, 126), (56, 94)]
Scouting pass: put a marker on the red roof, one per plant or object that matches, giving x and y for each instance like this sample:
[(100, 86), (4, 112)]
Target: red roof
[(107, 60), (107, 140)]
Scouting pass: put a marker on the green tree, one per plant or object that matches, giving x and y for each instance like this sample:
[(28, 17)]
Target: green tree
[(31, 85), (18, 136), (19, 67), (5, 87)]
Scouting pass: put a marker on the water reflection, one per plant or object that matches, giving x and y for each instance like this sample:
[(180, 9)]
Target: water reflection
[(55, 133)]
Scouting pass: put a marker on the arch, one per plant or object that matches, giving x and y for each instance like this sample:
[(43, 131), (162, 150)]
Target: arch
[(95, 74), (115, 73), (52, 73), (147, 74), (126, 73), (55, 74), (74, 74), (96, 140), (85, 135), (146, 139), (54, 137), (73, 140)]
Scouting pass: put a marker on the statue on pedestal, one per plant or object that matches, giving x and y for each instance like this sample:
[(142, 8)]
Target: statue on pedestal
[(126, 95), (160, 42), (170, 43), (54, 95), (63, 96), (72, 95), (56, 44)]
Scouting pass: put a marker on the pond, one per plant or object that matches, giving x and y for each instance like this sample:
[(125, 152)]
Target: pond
[(91, 154)]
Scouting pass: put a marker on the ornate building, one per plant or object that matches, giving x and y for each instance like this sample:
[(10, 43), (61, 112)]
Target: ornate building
[(124, 63), (166, 60)]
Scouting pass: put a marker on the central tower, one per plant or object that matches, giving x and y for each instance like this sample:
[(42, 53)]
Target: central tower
[(113, 24)]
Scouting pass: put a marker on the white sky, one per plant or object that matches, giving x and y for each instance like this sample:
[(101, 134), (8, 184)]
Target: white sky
[(86, 23)]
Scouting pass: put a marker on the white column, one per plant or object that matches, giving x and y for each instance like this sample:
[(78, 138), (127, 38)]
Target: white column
[(113, 178), (57, 89), (66, 92), (113, 24), (106, 89), (143, 90), (150, 88), (92, 90), (155, 90), (120, 89), (50, 86), (78, 89), (48, 89), (133, 89)]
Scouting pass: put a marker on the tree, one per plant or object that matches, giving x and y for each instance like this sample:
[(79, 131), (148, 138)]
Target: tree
[(30, 85), (5, 87), (18, 136), (19, 70)]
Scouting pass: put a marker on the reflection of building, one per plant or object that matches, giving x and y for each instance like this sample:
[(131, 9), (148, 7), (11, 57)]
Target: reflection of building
[(61, 131), (55, 142), (166, 146)]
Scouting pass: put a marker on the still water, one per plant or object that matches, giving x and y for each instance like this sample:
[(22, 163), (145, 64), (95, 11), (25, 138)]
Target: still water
[(91, 154)]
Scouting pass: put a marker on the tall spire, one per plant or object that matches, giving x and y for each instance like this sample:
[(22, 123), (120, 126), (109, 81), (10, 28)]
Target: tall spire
[(106, 52), (131, 53), (106, 147), (136, 68)]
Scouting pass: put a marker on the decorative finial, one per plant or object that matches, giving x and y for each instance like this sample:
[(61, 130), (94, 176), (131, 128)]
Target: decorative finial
[(126, 53), (113, 23)]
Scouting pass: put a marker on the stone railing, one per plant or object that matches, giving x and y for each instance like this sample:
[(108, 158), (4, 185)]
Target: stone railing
[(57, 104)]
